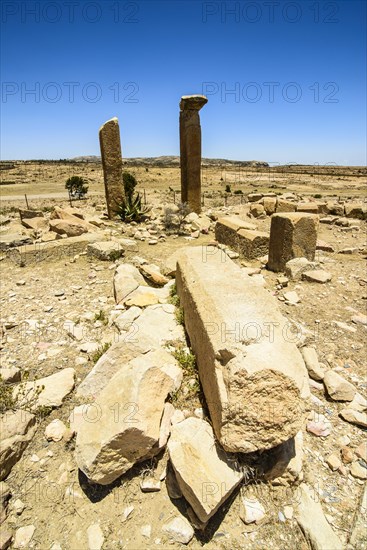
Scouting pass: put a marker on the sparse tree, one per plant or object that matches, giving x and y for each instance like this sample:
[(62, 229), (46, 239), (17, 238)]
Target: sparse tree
[(77, 186)]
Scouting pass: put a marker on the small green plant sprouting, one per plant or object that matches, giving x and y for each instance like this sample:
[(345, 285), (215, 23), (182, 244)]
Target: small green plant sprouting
[(175, 300), (24, 397), (76, 186), (131, 208), (187, 361), (101, 316), (100, 351)]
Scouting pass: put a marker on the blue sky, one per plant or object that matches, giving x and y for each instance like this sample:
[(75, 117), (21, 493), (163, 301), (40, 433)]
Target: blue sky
[(285, 81)]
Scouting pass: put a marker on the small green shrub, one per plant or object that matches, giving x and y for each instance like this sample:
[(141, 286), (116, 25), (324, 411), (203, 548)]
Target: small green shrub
[(100, 351), (228, 188), (317, 196), (238, 192), (101, 316)]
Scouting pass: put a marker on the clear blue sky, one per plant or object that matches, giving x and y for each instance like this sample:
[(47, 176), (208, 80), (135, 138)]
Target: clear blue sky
[(297, 72)]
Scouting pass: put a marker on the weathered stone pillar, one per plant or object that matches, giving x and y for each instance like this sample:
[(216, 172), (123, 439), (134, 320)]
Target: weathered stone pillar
[(190, 150), (292, 235), (109, 139)]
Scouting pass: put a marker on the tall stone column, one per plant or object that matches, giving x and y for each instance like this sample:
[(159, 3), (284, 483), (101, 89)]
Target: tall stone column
[(190, 150), (109, 139)]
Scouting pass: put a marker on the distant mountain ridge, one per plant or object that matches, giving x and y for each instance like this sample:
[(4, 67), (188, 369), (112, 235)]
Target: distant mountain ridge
[(172, 161)]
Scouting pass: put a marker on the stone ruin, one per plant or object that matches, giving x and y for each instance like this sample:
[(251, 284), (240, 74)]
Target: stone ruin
[(109, 138), (190, 150)]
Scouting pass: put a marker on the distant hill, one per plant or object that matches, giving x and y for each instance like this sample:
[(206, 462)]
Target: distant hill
[(172, 161)]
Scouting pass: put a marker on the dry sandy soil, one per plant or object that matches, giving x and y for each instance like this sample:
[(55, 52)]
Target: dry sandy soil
[(80, 288)]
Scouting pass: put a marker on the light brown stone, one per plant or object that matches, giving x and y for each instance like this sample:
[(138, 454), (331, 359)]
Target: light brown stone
[(292, 235), (204, 472), (127, 428), (285, 206), (311, 518), (190, 150), (310, 207), (109, 139), (337, 387), (16, 431), (253, 376), (270, 205), (242, 237)]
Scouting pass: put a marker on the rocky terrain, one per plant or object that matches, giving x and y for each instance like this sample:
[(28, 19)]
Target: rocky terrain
[(82, 295)]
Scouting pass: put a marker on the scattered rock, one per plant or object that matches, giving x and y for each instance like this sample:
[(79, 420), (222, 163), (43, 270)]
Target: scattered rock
[(315, 370), (358, 471), (252, 512), (313, 523), (333, 461), (153, 274), (338, 388), (347, 455), (126, 279), (361, 451), (179, 530), (16, 431), (95, 537), (359, 319), (55, 431), (105, 250), (354, 417), (49, 391), (150, 485), (18, 507), (23, 536), (319, 425), (316, 276)]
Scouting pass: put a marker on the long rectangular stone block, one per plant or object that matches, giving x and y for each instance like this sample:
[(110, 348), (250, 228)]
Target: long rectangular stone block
[(54, 250), (253, 376), (242, 237)]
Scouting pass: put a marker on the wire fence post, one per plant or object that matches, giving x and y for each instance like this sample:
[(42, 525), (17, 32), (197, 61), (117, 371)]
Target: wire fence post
[(26, 201)]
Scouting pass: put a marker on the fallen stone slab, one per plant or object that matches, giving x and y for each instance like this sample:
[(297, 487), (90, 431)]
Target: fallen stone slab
[(126, 279), (310, 517), (270, 205), (71, 228), (284, 205), (105, 250), (324, 246), (355, 210), (294, 268), (17, 429), (147, 296), (37, 224), (241, 237), (316, 276), (29, 214), (46, 392), (310, 207), (110, 363), (10, 375), (63, 249), (14, 240), (233, 333), (130, 410), (204, 472), (292, 235)]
